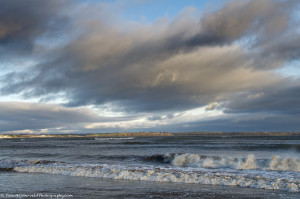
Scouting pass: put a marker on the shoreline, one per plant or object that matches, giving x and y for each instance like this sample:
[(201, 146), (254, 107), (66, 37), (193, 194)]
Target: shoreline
[(150, 134)]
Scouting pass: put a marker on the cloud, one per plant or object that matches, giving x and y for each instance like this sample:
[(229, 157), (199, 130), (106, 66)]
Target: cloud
[(23, 22), (239, 18), (159, 66), (211, 106), (192, 61), (282, 100), (21, 116), (245, 123)]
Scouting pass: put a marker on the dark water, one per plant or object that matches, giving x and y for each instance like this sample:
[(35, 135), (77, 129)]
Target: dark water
[(151, 167)]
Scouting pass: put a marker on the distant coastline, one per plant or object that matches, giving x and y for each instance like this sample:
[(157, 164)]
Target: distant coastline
[(150, 134)]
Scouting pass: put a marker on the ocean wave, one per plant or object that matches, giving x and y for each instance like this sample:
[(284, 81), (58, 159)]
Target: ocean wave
[(7, 164), (168, 158), (179, 168), (276, 163), (257, 179)]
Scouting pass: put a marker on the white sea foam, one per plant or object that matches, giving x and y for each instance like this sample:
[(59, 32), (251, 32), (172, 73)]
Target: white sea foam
[(244, 178), (119, 138), (276, 173), (249, 163), (285, 164)]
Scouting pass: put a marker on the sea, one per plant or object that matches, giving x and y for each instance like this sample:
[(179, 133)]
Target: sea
[(198, 166)]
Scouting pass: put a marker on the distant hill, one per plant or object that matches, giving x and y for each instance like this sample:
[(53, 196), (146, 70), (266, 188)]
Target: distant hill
[(150, 134)]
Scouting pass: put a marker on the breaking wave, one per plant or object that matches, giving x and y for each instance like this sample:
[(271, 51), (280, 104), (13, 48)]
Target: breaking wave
[(276, 181), (276, 173), (276, 163)]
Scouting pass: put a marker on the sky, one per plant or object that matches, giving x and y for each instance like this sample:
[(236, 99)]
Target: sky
[(101, 66)]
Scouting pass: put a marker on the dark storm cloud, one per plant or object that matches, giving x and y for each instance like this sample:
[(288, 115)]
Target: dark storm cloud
[(244, 123), (239, 18), (282, 100), (22, 22), (169, 65)]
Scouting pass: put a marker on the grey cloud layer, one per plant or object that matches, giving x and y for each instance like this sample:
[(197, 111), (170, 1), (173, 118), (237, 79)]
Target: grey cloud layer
[(19, 116), (279, 101), (244, 122), (168, 65)]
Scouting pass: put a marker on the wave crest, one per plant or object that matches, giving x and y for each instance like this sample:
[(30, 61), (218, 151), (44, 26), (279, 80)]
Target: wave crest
[(285, 164), (276, 163)]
